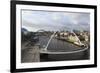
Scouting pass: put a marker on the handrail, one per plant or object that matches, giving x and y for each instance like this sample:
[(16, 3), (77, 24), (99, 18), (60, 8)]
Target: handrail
[(49, 52)]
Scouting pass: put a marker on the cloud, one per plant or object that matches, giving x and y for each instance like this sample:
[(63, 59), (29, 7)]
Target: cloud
[(55, 20)]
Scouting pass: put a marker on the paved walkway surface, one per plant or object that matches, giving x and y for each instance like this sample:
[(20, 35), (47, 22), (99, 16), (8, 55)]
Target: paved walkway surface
[(30, 54)]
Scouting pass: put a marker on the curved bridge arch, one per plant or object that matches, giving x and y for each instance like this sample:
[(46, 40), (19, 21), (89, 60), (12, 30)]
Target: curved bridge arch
[(41, 30)]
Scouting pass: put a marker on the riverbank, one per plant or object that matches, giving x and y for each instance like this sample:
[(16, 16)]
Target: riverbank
[(67, 40)]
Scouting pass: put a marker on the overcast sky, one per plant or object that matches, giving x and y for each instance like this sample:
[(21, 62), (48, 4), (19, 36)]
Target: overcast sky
[(54, 21)]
